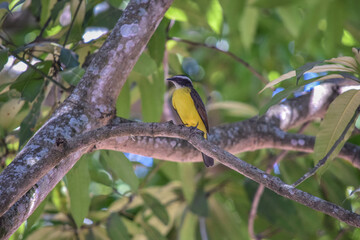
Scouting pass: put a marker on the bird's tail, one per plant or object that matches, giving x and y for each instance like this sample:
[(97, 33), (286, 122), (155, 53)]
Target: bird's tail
[(208, 161)]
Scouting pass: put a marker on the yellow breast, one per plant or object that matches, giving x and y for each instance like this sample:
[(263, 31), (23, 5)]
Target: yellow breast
[(185, 107)]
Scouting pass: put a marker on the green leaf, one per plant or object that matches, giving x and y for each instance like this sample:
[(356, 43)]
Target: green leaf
[(78, 181), (30, 82), (176, 14), (123, 102), (314, 14), (187, 175), (291, 18), (157, 42), (69, 58), (116, 228), (3, 58), (335, 18), (120, 167), (46, 5), (248, 25), (199, 205), (340, 111), (156, 207), (273, 3), (214, 16), (152, 233), (97, 171), (28, 124), (145, 65), (278, 97), (152, 91), (58, 7), (188, 228), (35, 215), (306, 67), (11, 108), (72, 75)]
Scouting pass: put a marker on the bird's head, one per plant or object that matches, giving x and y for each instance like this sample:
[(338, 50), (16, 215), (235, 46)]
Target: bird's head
[(181, 81)]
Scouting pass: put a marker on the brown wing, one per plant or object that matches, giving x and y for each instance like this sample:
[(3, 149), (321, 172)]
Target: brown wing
[(200, 107)]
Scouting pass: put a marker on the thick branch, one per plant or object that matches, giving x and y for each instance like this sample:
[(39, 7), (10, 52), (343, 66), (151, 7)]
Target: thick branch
[(87, 140)]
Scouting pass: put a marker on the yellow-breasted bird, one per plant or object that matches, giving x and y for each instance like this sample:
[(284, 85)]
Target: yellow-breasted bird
[(190, 108)]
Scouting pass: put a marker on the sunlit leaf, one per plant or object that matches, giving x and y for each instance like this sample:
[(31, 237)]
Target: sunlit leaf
[(156, 207), (340, 111), (214, 16), (347, 61), (78, 181), (10, 109), (176, 14)]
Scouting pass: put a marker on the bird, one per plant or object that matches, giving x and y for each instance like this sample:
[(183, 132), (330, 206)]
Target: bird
[(190, 108)]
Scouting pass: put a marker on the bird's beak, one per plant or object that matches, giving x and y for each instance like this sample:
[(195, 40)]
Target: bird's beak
[(170, 79)]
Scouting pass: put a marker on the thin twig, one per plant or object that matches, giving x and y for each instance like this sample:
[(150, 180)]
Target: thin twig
[(72, 23), (22, 59), (258, 194), (41, 73), (332, 149), (202, 226), (230, 54)]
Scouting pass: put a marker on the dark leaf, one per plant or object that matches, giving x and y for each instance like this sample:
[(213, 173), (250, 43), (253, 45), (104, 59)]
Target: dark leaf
[(30, 82), (199, 206), (156, 207), (27, 126), (301, 70), (116, 229), (152, 233), (69, 58), (3, 58)]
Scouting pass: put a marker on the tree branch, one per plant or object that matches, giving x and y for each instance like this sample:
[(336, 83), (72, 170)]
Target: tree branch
[(87, 107), (89, 139), (230, 54)]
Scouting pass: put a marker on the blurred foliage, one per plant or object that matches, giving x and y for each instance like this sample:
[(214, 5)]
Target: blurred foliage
[(44, 51)]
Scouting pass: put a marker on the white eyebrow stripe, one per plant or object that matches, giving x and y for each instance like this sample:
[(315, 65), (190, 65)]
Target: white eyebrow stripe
[(182, 77)]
